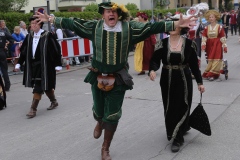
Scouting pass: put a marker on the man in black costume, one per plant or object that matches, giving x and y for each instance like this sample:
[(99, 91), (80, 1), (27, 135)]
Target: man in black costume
[(225, 21), (42, 56), (4, 37)]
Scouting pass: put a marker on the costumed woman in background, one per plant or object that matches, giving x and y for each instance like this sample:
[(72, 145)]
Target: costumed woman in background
[(214, 43), (178, 55), (144, 49), (195, 34)]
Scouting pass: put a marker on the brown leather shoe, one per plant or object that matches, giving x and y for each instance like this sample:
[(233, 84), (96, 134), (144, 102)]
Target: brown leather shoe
[(31, 113), (33, 109), (108, 136), (98, 130), (105, 155), (53, 105)]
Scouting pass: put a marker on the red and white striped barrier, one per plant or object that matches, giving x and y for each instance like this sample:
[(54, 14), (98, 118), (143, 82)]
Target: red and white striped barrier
[(75, 47)]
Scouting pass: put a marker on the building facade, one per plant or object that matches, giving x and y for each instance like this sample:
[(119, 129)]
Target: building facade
[(64, 5), (78, 5)]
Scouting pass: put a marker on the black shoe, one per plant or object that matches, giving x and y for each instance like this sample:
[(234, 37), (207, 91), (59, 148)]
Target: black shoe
[(141, 73), (186, 131), (175, 146), (7, 89)]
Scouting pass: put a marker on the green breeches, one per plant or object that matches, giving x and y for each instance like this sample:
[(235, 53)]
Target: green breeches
[(108, 105)]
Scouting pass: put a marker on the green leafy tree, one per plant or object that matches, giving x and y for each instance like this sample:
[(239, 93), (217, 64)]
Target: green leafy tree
[(164, 2), (226, 4), (230, 6), (12, 5), (161, 4), (92, 7), (19, 4), (5, 5), (210, 4), (131, 6), (220, 5)]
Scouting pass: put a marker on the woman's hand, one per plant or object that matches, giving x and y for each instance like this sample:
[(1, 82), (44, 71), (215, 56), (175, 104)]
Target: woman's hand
[(42, 17), (190, 22), (152, 75), (203, 47), (201, 88), (225, 49)]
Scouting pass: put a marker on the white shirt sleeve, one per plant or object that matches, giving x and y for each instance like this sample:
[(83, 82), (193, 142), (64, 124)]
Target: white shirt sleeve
[(58, 68), (59, 34)]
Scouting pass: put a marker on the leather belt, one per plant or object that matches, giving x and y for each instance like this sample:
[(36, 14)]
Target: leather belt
[(96, 71), (175, 66), (36, 63)]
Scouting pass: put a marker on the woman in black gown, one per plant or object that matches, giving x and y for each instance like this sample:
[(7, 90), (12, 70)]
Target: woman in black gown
[(178, 56)]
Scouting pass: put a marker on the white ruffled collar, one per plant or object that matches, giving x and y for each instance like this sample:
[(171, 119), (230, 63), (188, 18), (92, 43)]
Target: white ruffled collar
[(116, 28)]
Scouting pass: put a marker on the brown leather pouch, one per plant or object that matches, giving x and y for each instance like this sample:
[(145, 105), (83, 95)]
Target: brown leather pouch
[(106, 83)]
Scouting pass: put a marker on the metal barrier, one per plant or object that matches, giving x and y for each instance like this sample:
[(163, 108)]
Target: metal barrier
[(75, 47)]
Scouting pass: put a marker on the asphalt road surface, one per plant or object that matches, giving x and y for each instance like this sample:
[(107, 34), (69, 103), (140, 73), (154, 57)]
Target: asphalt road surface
[(66, 133)]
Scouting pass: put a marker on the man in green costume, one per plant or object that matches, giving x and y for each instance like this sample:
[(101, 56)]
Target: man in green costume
[(111, 37)]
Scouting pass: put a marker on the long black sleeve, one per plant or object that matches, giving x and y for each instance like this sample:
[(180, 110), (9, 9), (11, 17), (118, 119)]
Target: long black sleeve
[(54, 50), (193, 64), (155, 61), (23, 50)]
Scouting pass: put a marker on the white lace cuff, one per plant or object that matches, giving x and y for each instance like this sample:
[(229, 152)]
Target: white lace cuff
[(17, 66)]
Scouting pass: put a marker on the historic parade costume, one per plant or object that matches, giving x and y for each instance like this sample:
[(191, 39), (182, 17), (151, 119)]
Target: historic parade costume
[(111, 49), (176, 84), (196, 36), (144, 50), (110, 59), (195, 33), (42, 65), (41, 54), (214, 40), (225, 21), (178, 55)]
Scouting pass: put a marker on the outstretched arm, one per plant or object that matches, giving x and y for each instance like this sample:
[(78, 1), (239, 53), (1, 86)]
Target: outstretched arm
[(82, 28), (190, 22)]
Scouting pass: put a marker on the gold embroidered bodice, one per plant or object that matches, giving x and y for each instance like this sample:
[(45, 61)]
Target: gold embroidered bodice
[(213, 32)]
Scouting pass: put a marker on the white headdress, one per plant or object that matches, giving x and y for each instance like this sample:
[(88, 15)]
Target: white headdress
[(197, 9), (177, 16)]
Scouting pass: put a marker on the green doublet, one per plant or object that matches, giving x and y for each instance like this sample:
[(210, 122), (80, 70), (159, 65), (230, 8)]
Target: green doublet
[(111, 48), (110, 54)]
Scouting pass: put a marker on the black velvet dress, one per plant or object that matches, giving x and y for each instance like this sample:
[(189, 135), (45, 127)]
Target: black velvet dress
[(176, 84)]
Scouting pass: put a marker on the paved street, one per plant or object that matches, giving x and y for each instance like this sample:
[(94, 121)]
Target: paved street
[(66, 132)]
